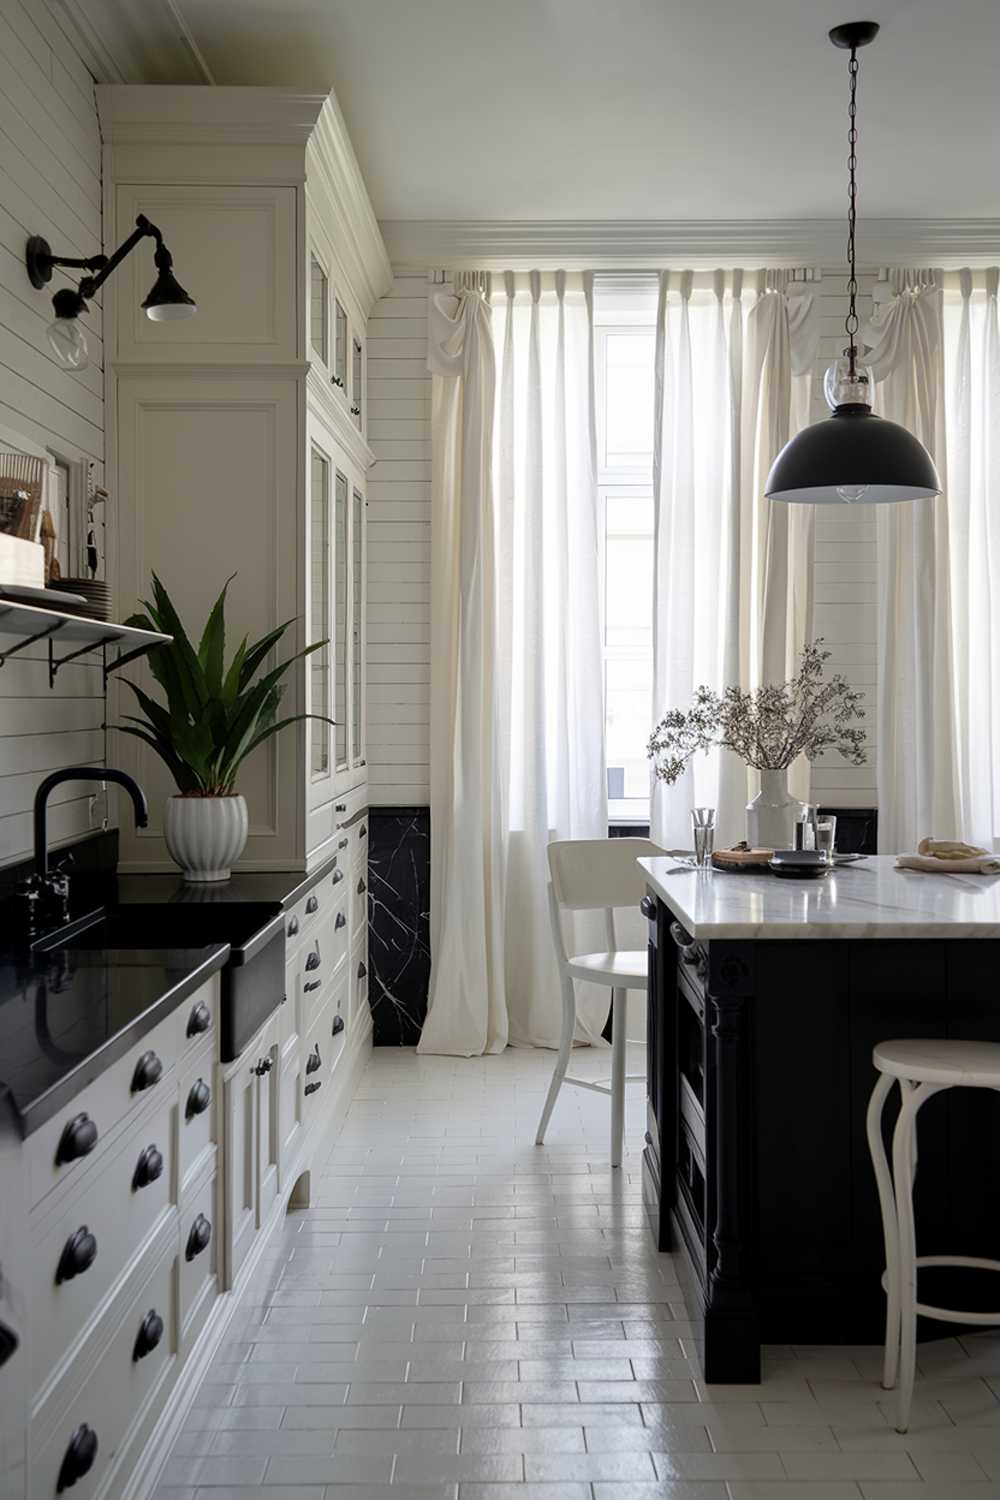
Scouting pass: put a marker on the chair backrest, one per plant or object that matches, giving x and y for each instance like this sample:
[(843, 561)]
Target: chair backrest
[(592, 873)]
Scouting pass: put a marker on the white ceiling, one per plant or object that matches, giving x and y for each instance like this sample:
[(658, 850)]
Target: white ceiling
[(622, 109)]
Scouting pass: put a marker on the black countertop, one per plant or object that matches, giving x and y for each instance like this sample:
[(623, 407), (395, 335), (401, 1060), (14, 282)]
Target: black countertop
[(283, 887)]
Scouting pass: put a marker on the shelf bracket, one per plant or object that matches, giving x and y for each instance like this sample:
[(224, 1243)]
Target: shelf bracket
[(30, 640), (123, 661), (55, 663)]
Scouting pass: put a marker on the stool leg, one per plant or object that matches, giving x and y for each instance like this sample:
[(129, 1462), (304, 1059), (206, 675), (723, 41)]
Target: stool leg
[(890, 1228), (619, 1016), (904, 1172), (562, 1061)]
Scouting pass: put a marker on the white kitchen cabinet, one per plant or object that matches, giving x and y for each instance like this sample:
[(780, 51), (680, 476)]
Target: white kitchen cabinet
[(251, 1109)]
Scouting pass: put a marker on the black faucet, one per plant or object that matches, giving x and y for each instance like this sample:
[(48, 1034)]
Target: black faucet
[(80, 773)]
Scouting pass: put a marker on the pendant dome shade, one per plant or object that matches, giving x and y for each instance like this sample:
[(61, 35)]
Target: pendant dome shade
[(168, 300), (852, 456)]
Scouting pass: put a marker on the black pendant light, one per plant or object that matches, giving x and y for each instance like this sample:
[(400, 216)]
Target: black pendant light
[(853, 456)]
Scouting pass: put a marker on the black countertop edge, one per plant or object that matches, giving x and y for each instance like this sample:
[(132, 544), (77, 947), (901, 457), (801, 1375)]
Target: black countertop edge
[(283, 887), (65, 1090)]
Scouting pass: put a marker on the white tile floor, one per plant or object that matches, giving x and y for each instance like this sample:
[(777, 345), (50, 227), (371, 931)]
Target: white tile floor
[(464, 1316)]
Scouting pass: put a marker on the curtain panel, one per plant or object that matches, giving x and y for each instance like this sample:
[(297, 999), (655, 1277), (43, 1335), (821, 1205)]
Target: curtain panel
[(735, 352)]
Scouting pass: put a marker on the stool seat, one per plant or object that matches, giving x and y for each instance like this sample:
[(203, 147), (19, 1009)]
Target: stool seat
[(621, 966), (955, 1064)]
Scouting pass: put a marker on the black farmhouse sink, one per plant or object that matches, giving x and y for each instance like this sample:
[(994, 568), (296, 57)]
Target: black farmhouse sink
[(253, 979)]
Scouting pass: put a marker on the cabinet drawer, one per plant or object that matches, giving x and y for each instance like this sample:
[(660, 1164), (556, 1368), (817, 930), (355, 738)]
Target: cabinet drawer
[(290, 1110), (314, 909), (78, 1255), (91, 1120), (320, 965), (359, 901), (198, 1258), (358, 847), (358, 978), (351, 803), (134, 1363), (197, 1116)]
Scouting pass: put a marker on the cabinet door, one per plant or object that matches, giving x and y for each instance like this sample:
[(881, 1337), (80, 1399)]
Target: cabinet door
[(340, 347), (357, 380), (319, 309), (240, 1158), (341, 617), (358, 610), (268, 1123), (320, 616)]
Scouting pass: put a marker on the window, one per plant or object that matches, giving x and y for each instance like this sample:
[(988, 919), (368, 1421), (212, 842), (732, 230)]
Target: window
[(625, 337)]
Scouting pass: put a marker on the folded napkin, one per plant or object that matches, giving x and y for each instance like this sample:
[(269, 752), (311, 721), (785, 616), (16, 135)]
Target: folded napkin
[(949, 857)]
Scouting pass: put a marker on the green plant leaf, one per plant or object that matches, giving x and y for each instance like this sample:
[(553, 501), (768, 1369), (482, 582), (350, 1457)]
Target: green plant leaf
[(211, 649)]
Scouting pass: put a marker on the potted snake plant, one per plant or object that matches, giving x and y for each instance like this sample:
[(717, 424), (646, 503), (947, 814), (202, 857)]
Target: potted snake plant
[(216, 714)]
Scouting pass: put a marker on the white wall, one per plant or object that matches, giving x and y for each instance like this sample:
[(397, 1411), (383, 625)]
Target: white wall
[(399, 545), (50, 185)]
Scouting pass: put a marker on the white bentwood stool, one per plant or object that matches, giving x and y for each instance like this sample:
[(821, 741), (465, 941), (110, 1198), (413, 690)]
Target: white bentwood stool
[(587, 875), (922, 1069)]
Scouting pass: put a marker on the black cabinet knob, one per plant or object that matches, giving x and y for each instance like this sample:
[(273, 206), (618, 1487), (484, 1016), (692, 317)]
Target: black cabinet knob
[(199, 1020), (338, 876), (312, 905), (313, 960), (336, 380), (264, 1067), (78, 1459), (338, 1026), (293, 927), (148, 1168), (314, 1062), (361, 887), (148, 1071), (340, 922), (362, 970), (201, 1233), (343, 843), (198, 1099), (340, 807), (78, 1139), (78, 1255), (149, 1335), (312, 1088), (648, 907)]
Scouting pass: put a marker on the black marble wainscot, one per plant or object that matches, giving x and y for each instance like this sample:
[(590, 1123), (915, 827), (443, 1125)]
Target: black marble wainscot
[(399, 948)]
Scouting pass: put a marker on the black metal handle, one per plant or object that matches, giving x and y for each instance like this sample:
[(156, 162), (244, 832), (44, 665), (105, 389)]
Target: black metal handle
[(148, 1168), (149, 1335), (343, 843), (198, 1099), (201, 1233), (78, 1459), (78, 1255), (340, 922), (314, 1062), (312, 1088), (199, 1020), (78, 1139), (361, 887), (338, 1026), (648, 907), (355, 411), (264, 1067), (336, 380), (362, 831), (312, 905), (690, 953), (340, 807), (313, 984), (313, 960), (293, 927), (338, 876), (148, 1070), (362, 970)]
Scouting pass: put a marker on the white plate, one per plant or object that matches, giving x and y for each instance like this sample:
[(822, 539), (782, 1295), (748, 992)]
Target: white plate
[(847, 859)]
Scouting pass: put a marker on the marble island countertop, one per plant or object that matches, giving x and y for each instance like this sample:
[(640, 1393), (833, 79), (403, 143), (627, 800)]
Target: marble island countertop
[(870, 899)]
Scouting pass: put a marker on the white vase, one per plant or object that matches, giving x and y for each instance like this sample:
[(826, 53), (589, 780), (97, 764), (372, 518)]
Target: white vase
[(206, 835), (772, 813)]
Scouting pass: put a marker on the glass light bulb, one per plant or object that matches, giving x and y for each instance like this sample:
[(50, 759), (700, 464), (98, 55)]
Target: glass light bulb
[(850, 493), (842, 389), (68, 343)]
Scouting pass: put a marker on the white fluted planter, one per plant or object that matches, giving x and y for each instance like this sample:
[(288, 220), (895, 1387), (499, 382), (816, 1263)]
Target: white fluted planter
[(206, 835), (772, 813)]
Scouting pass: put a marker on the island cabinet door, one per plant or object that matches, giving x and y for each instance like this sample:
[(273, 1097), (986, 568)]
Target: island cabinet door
[(659, 1153)]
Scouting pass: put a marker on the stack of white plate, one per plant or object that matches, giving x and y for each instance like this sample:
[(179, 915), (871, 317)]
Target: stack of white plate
[(97, 593)]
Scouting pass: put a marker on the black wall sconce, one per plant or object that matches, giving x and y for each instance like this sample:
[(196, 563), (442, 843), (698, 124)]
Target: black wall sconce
[(166, 301)]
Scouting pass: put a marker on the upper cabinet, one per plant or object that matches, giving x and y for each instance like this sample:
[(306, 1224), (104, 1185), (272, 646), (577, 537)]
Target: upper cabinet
[(239, 439)]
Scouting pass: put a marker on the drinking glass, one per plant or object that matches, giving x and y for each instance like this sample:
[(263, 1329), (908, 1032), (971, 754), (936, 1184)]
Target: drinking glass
[(703, 829), (826, 837)]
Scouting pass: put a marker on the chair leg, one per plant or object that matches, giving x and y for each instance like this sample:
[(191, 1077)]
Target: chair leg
[(562, 1060), (887, 1202), (903, 1172), (619, 1016)]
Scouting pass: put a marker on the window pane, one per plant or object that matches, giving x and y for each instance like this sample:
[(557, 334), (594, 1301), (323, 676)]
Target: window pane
[(629, 691), (628, 399)]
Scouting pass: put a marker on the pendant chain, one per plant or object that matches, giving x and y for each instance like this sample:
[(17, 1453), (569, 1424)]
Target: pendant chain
[(851, 321)]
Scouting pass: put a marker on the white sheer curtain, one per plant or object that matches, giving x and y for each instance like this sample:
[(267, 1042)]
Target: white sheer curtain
[(916, 752), (972, 366), (516, 676), (735, 353)]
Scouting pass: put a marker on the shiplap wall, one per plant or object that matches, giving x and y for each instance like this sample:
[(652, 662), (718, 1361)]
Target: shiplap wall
[(844, 599), (50, 184), (399, 545)]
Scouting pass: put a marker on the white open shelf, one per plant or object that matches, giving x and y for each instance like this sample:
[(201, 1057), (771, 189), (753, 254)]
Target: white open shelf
[(26, 624)]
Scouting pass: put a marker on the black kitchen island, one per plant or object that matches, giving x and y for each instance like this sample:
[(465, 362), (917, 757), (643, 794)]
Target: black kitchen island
[(765, 999)]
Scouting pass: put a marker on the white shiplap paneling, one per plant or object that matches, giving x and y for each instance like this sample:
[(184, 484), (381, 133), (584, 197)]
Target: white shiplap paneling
[(50, 184), (399, 545)]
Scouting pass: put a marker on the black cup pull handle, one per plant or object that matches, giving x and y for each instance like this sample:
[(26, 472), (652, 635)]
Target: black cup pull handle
[(361, 887), (148, 1168), (314, 1062), (362, 832), (338, 876), (78, 1139), (78, 1459), (313, 960), (149, 1335), (78, 1255), (198, 1099), (201, 1233), (199, 1020), (338, 1026), (362, 970), (340, 922), (312, 905), (312, 1088), (648, 907), (148, 1071), (293, 927), (343, 843)]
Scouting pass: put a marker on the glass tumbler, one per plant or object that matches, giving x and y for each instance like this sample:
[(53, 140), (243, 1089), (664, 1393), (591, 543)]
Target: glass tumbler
[(826, 837), (703, 830)]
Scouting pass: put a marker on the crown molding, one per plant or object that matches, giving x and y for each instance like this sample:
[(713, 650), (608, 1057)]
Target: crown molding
[(633, 244), (193, 114), (332, 170), (133, 41)]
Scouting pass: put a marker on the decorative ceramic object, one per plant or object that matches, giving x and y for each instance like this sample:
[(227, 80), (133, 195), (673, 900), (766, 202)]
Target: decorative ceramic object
[(772, 813), (206, 835)]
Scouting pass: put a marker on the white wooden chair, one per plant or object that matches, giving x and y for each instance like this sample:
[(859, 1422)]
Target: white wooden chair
[(589, 875)]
